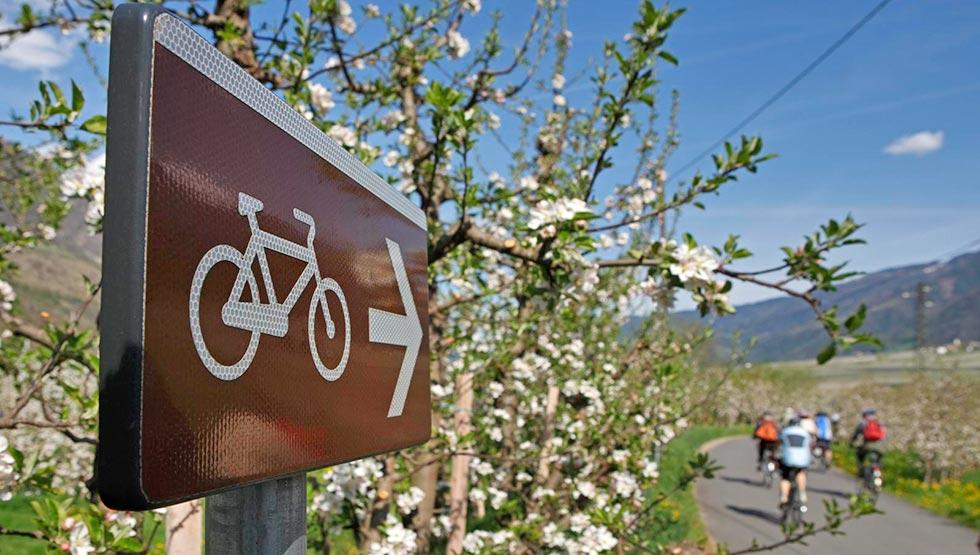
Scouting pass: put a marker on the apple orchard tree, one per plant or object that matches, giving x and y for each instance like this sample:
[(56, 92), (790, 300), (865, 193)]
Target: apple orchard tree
[(549, 223)]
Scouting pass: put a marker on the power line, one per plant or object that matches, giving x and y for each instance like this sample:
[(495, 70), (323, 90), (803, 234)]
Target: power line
[(788, 86)]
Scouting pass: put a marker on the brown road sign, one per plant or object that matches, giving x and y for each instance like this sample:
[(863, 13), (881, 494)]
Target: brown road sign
[(265, 295)]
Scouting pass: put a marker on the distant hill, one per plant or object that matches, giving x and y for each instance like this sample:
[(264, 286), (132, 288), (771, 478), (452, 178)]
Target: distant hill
[(786, 330), (49, 281)]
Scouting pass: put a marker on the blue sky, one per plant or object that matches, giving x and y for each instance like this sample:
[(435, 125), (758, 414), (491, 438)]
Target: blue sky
[(913, 69)]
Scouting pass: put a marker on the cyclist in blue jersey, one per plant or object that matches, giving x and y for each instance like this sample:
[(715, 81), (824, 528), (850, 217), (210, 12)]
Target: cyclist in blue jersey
[(795, 457), (825, 435)]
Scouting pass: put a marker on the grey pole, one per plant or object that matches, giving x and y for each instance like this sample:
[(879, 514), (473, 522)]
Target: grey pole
[(263, 519)]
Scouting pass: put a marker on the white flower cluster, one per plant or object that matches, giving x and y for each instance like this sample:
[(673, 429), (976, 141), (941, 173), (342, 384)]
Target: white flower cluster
[(343, 135), (79, 540), (482, 541), (353, 482), (458, 45), (408, 501), (549, 212), (8, 475), (88, 183), (344, 20), (694, 264), (587, 538), (397, 540), (695, 267), (321, 98), (7, 296), (121, 523)]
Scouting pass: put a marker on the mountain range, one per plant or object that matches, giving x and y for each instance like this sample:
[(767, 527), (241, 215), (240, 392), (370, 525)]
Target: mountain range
[(785, 328)]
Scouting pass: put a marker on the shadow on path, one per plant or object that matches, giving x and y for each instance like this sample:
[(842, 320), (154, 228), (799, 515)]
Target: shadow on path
[(741, 480), (757, 513), (831, 492)]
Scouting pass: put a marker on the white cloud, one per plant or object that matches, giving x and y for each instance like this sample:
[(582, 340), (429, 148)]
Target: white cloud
[(916, 144), (36, 50)]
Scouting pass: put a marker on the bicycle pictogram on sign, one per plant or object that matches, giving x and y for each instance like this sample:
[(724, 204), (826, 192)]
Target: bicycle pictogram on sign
[(270, 318)]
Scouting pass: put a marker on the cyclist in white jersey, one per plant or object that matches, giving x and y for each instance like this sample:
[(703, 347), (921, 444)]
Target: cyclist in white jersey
[(795, 457)]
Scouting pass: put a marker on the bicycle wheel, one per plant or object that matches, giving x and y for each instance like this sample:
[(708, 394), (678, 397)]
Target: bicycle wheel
[(320, 300), (220, 253)]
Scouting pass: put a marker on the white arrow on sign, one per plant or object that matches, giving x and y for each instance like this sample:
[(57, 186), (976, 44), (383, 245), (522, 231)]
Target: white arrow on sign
[(397, 329)]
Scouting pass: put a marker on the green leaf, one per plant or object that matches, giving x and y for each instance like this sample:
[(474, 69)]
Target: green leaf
[(668, 56), (77, 98), (827, 353), (855, 320), (95, 124)]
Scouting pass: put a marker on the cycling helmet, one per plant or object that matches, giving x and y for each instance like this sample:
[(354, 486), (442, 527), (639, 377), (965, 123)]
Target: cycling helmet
[(835, 417), (795, 421), (868, 412)]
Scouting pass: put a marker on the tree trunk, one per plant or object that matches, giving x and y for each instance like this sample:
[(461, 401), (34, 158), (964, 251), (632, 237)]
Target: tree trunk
[(551, 407), (379, 511), (459, 478), (183, 528)]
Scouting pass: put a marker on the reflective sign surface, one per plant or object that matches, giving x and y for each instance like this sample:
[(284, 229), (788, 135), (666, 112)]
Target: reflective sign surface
[(284, 299)]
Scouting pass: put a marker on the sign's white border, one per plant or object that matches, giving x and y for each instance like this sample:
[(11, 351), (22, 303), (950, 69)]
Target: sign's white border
[(193, 49)]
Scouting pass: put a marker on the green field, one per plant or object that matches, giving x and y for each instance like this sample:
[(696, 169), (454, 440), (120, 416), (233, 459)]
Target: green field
[(957, 499), (885, 368)]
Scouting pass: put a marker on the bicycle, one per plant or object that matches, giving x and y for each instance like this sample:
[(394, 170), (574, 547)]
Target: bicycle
[(769, 469), (793, 510), (871, 476), (820, 451), (270, 318)]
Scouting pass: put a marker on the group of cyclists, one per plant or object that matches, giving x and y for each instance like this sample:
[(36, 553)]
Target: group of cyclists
[(802, 438)]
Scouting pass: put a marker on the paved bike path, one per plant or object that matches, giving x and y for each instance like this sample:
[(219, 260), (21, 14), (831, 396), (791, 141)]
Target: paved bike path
[(736, 508)]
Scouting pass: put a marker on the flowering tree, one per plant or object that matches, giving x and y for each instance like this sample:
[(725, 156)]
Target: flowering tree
[(545, 416)]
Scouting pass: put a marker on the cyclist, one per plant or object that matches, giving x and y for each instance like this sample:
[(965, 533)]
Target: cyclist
[(807, 423), (868, 437), (795, 457), (767, 432), (789, 413), (825, 434)]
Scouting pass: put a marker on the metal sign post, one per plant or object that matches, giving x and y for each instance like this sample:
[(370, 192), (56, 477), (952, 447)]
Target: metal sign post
[(264, 294), (267, 518)]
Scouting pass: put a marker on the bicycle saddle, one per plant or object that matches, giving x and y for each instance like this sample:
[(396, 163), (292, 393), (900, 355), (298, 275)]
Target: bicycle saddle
[(248, 205)]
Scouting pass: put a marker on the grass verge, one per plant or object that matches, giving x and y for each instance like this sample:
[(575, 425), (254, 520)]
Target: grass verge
[(677, 519), (957, 499)]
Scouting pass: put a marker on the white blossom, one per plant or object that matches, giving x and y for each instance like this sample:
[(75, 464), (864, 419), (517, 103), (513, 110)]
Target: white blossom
[(390, 158), (343, 135), (408, 501), (529, 182), (558, 81), (697, 263), (321, 98), (397, 540), (458, 45), (8, 474), (7, 298), (347, 24), (493, 121), (554, 211), (79, 541)]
